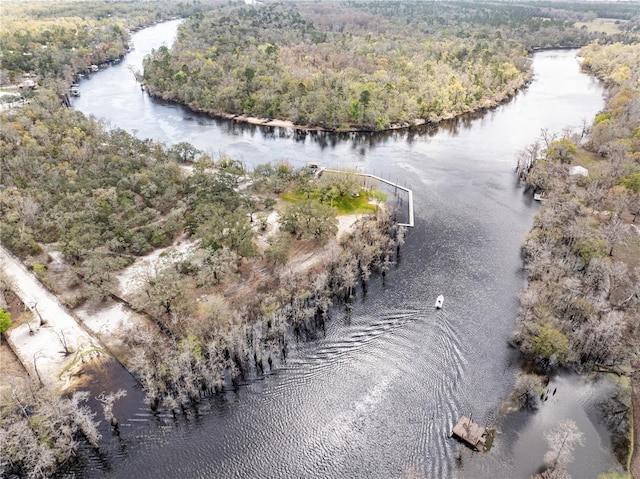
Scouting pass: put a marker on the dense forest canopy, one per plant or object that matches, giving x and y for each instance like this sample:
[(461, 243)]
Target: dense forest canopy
[(78, 181), (371, 65)]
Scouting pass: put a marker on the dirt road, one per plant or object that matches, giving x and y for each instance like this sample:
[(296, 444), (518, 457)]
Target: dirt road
[(53, 343)]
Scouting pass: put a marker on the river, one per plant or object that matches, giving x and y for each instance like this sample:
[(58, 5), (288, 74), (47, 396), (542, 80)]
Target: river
[(376, 396)]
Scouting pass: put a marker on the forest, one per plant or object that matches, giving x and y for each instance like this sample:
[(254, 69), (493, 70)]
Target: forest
[(54, 41), (584, 238), (103, 198), (359, 65)]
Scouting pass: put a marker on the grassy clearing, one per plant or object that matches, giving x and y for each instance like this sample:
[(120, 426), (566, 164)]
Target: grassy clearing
[(609, 26), (591, 161)]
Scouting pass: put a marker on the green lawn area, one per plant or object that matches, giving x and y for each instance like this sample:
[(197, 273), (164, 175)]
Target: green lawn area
[(346, 205)]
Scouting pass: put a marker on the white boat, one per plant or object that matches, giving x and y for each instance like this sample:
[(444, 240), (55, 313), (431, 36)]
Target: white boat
[(439, 301)]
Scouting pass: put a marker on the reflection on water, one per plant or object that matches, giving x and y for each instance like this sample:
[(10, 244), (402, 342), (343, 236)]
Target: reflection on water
[(376, 395), (323, 139)]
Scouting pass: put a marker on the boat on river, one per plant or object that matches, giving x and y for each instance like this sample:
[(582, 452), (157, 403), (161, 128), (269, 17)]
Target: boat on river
[(439, 302)]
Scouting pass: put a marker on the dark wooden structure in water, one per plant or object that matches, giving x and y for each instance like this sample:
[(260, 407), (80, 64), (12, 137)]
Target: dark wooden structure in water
[(471, 433)]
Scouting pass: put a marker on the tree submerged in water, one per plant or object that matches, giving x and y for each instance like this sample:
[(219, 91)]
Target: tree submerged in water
[(39, 429), (562, 441), (527, 391)]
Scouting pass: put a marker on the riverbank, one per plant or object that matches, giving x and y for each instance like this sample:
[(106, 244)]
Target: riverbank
[(55, 345), (588, 324), (486, 105)]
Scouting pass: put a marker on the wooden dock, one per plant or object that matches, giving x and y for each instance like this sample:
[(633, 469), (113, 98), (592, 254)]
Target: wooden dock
[(471, 433)]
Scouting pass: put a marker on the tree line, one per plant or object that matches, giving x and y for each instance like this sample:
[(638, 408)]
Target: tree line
[(581, 305), (210, 343)]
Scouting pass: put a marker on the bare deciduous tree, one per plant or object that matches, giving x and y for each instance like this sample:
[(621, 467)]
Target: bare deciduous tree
[(63, 342), (39, 429), (527, 390), (107, 401), (562, 441)]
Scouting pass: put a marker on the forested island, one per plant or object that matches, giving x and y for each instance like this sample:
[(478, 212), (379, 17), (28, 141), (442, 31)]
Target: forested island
[(235, 282)]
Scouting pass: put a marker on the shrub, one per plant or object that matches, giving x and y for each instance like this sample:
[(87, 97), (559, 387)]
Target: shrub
[(551, 344), (5, 320), (589, 248), (631, 182)]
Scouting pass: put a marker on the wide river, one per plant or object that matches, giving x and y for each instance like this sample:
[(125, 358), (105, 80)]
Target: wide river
[(376, 396)]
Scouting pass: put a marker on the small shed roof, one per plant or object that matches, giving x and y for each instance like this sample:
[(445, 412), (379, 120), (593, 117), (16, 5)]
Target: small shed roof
[(578, 170)]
